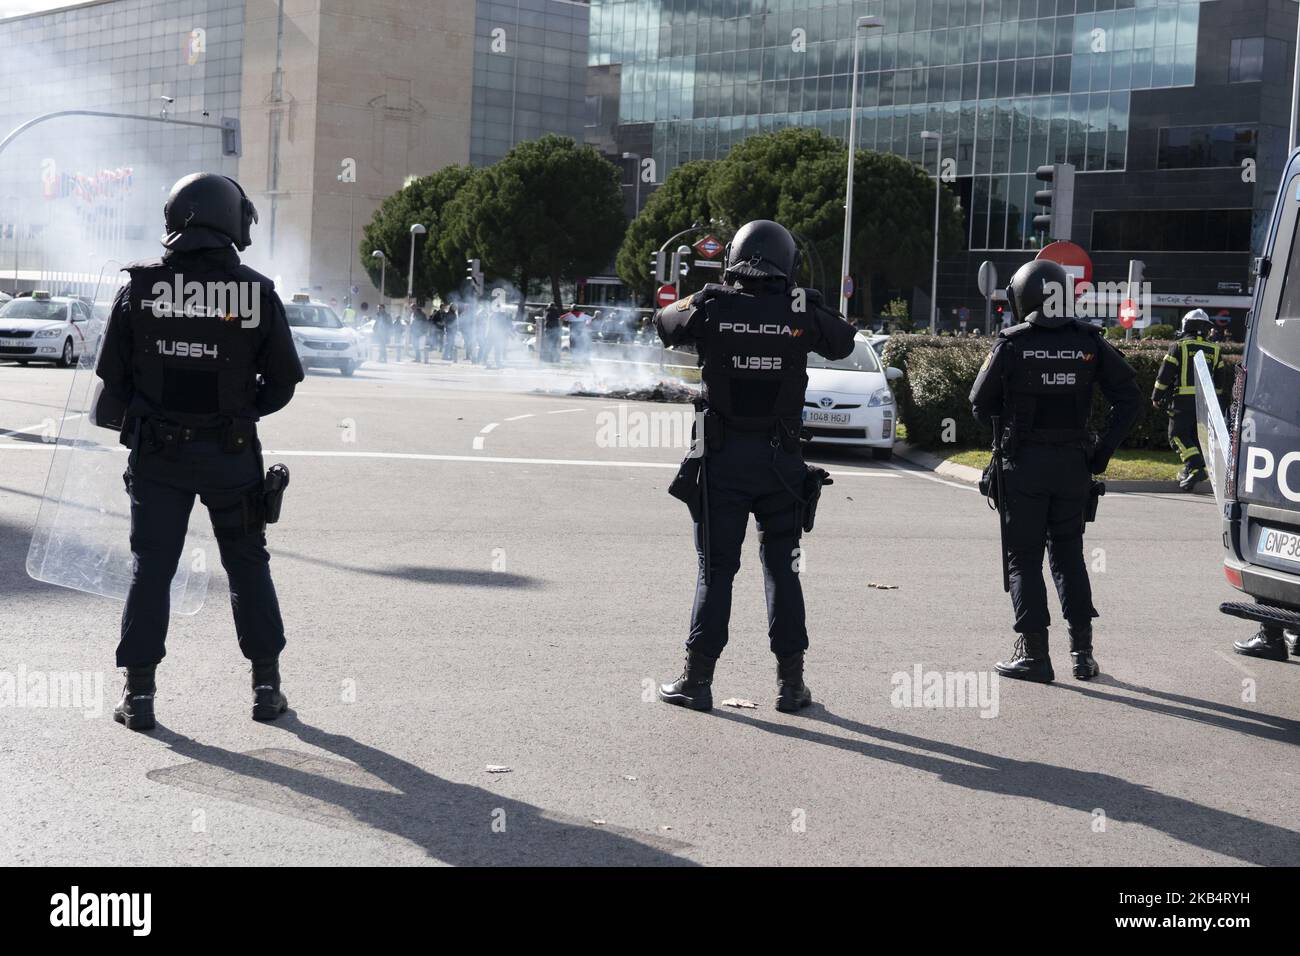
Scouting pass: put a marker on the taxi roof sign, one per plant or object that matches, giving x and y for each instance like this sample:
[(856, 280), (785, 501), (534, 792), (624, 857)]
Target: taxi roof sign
[(40, 294), (302, 297)]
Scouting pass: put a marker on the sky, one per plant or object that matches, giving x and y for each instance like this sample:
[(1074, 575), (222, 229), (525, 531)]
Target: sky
[(13, 8)]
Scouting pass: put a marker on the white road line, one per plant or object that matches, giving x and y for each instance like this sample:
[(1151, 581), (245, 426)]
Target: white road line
[(929, 477), (413, 456), (518, 417), (41, 425), (566, 411), (487, 428), (478, 443)]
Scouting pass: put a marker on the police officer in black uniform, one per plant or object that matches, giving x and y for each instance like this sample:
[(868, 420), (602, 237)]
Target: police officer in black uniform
[(188, 384), (753, 334), (1039, 381)]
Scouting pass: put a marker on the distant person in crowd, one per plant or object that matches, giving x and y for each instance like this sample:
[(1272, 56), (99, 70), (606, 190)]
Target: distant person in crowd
[(449, 323), (383, 332), (419, 333)]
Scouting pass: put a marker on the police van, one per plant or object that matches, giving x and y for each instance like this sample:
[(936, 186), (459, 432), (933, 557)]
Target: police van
[(1258, 475), (48, 328), (321, 338)]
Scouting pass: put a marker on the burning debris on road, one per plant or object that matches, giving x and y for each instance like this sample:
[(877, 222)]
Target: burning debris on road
[(667, 390)]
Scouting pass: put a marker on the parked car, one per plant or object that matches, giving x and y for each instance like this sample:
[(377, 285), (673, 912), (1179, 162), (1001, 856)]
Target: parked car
[(849, 401)]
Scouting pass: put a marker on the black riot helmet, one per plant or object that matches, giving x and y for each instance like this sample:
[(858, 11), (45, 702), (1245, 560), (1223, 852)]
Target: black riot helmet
[(1040, 294), (762, 249), (206, 210)]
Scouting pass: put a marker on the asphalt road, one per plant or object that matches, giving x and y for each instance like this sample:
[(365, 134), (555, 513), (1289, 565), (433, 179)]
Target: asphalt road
[(460, 597)]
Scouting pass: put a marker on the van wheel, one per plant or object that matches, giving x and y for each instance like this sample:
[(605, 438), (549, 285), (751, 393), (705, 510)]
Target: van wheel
[(66, 360), (882, 454)]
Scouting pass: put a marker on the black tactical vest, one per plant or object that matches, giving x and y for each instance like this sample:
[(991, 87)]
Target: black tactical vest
[(1049, 378), (753, 356), (195, 364)]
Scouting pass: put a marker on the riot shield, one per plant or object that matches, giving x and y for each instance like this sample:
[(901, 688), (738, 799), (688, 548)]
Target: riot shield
[(82, 535), (1211, 429)]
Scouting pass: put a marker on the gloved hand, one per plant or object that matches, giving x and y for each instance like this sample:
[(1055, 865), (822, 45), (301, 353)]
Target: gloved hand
[(1099, 460)]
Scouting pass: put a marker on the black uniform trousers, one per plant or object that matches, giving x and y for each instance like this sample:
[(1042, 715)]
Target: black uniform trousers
[(1183, 436), (162, 492), (1047, 498), (745, 477)]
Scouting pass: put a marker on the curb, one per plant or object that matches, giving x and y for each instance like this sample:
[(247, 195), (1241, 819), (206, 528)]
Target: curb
[(971, 476)]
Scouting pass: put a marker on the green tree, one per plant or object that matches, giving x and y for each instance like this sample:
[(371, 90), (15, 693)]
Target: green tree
[(549, 209), (796, 177), (424, 199), (679, 202)]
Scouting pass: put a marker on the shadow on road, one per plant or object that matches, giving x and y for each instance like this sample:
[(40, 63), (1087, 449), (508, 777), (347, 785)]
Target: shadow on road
[(464, 577), (1252, 722), (1218, 831), (452, 822)]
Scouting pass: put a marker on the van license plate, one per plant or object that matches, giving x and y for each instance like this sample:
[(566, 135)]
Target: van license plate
[(1279, 544)]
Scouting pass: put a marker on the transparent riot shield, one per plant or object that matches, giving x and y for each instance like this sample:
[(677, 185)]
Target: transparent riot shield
[(82, 535), (1211, 429)]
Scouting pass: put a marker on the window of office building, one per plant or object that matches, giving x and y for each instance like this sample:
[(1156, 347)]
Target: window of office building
[(1200, 147), (1171, 230)]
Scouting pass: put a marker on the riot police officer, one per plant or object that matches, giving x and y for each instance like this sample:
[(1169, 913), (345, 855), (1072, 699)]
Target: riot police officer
[(753, 334), (1038, 381), (187, 381), (1175, 392)]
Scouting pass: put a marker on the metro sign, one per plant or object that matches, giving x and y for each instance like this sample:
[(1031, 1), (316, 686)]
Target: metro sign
[(708, 247)]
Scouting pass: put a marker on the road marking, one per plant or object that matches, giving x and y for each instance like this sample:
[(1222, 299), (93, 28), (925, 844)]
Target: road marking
[(566, 411), (478, 443), (518, 417), (929, 477), (487, 428), (41, 425), (1233, 661)]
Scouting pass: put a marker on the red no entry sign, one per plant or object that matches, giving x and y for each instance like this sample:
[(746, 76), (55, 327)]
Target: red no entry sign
[(1072, 256), (666, 295), (1128, 313)]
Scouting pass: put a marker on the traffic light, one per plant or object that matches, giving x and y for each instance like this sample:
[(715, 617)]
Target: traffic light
[(1057, 199), (475, 274), (659, 262)]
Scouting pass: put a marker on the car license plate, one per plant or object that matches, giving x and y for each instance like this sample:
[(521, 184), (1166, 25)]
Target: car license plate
[(11, 343), (1279, 544), (826, 418)]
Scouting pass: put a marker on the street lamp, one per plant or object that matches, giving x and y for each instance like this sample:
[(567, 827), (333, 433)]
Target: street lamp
[(864, 23), (934, 275), (383, 262), (636, 176), (352, 228), (416, 230)]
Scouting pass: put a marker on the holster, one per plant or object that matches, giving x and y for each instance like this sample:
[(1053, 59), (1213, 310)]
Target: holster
[(814, 479), (1094, 495), (989, 480), (277, 479), (687, 485)]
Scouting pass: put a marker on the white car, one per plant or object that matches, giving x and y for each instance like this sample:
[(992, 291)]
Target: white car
[(46, 328), (321, 338), (849, 401)]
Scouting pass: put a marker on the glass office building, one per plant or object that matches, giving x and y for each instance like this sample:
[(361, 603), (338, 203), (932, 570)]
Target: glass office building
[(1011, 84), (530, 73)]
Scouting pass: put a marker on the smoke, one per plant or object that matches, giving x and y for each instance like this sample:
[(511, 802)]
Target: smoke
[(84, 195)]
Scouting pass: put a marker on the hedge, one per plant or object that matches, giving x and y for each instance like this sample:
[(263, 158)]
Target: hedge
[(933, 395)]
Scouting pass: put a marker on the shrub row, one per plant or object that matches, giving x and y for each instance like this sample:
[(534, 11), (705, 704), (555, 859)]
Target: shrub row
[(933, 395)]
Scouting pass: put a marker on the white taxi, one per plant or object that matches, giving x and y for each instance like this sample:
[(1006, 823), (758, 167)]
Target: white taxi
[(47, 328), (849, 402), (321, 338)]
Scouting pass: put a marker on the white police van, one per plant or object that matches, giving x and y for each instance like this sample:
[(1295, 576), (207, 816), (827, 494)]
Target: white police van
[(321, 338), (48, 328)]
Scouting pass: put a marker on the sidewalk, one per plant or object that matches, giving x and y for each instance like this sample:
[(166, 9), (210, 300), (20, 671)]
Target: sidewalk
[(971, 476)]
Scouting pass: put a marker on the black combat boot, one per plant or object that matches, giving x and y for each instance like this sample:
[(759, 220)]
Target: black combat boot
[(1029, 660), (694, 688), (791, 692), (268, 702), (1268, 643), (1085, 667), (135, 710), (1292, 642)]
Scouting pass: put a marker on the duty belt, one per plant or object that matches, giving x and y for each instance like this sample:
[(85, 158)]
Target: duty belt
[(168, 436)]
